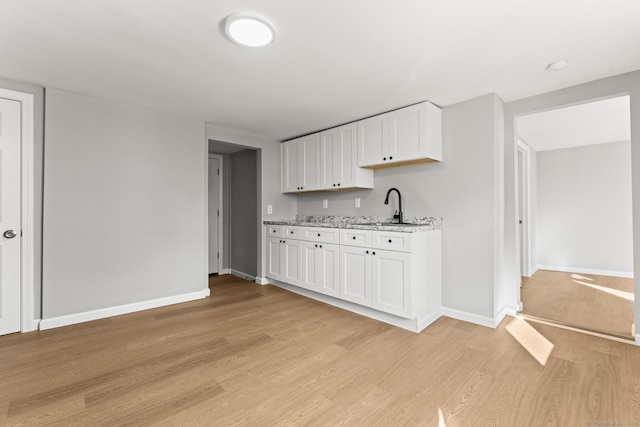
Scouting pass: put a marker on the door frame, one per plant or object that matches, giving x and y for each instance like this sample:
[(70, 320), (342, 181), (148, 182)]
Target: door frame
[(220, 207), (27, 243), (523, 200)]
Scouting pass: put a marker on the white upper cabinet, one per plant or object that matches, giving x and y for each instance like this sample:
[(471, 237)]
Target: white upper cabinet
[(409, 135), (324, 161), (339, 160), (301, 164)]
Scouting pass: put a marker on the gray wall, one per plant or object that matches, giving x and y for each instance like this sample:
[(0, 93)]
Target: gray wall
[(124, 205), (243, 195), (584, 208), (623, 84), (461, 189), (38, 149)]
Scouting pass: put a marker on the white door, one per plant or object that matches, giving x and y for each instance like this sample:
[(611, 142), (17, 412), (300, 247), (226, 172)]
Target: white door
[(214, 214), (10, 302)]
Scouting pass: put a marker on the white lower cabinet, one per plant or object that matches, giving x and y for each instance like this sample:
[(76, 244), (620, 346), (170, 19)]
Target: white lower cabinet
[(392, 272), (284, 260), (320, 267), (376, 278)]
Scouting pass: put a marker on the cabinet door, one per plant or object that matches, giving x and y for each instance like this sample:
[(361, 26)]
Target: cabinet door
[(345, 156), (355, 274), (309, 269), (327, 158), (373, 137), (391, 282), (408, 133), (290, 167), (309, 162), (328, 269), (292, 262), (274, 258)]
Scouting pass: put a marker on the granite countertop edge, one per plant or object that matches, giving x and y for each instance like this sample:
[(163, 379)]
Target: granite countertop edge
[(417, 224)]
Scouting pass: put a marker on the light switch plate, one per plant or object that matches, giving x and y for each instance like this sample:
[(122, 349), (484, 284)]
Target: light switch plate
[(269, 209), (325, 203), (357, 204)]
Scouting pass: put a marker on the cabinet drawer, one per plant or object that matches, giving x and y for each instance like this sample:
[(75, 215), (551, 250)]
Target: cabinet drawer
[(293, 232), (391, 240), (351, 237), (318, 234), (275, 231)]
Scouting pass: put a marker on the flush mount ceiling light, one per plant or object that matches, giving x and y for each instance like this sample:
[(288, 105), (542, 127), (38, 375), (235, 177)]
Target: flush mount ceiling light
[(557, 65), (249, 29)]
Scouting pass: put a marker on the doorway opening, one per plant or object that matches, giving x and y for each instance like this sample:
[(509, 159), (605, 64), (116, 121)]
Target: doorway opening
[(574, 214), (235, 230)]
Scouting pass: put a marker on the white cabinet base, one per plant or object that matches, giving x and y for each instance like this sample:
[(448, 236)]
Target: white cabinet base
[(413, 325)]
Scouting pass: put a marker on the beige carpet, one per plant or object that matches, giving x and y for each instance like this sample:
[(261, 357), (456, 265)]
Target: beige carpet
[(601, 304)]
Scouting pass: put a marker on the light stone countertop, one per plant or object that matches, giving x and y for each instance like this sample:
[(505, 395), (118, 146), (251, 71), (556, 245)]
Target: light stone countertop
[(364, 222)]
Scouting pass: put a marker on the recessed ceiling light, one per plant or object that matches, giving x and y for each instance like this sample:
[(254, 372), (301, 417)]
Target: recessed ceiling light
[(557, 65), (249, 29)]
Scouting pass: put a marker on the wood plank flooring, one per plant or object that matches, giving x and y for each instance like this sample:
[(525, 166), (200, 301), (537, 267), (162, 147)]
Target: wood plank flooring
[(586, 301), (261, 356)]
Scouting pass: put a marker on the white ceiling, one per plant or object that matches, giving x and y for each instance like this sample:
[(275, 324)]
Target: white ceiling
[(596, 122), (333, 61)]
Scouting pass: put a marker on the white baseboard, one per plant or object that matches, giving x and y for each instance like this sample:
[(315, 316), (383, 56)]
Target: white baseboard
[(465, 316), (224, 271), (489, 322), (532, 271), (413, 325), (34, 325), (506, 311), (262, 281), (597, 272), (242, 275), (638, 339), (87, 316)]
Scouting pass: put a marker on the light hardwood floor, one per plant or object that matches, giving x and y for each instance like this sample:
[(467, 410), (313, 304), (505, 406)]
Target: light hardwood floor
[(261, 356), (595, 303)]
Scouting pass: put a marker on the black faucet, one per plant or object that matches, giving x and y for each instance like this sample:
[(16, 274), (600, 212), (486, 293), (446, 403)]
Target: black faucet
[(398, 214)]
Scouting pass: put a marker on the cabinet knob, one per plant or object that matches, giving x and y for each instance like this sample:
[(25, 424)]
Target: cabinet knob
[(316, 246), (367, 252), (389, 240), (338, 184), (318, 234), (374, 253), (384, 158), (320, 245), (354, 237), (292, 233), (390, 157)]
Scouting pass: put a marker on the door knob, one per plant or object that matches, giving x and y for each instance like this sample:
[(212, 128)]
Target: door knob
[(9, 234)]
